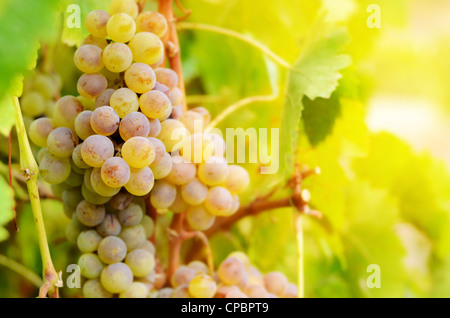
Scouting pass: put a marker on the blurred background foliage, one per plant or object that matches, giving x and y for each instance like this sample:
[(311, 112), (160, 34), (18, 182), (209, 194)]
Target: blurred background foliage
[(370, 107)]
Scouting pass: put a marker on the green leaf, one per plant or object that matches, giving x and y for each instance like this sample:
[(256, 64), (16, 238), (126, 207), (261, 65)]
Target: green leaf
[(6, 208), (7, 112)]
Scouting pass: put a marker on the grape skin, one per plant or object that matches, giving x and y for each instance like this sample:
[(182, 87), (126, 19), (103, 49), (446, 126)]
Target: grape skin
[(136, 290), (105, 121), (192, 121), (237, 179), (95, 23), (155, 104), (160, 149), (115, 172), (219, 201), (100, 42), (182, 276), (121, 27), (134, 124), (32, 104), (155, 127), (116, 278), (88, 241), (124, 101), (162, 168), (199, 218), (94, 289), (214, 171), (117, 57), (90, 265), (153, 22), (141, 262), (173, 133), (124, 6), (112, 250), (39, 131), (133, 236), (110, 226), (91, 196), (182, 171), (82, 124), (141, 181), (163, 194), (66, 109), (202, 286), (146, 47), (140, 78), (104, 98), (148, 225), (54, 170), (167, 77), (131, 215), (96, 149), (101, 187), (194, 192), (91, 85), (61, 142), (90, 214), (275, 283), (179, 205), (121, 200), (88, 58)]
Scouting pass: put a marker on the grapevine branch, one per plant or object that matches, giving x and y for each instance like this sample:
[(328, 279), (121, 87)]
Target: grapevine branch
[(29, 169)]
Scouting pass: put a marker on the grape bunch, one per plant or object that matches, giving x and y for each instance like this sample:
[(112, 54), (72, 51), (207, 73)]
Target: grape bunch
[(235, 278), (124, 143)]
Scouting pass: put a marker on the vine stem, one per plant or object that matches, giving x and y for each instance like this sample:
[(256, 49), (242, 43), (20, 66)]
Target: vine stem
[(21, 270), (29, 169), (237, 35)]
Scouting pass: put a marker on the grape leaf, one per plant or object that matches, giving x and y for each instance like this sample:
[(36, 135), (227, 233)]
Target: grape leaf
[(6, 208)]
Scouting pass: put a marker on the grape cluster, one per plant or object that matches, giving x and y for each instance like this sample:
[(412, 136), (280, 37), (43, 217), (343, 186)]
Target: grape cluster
[(124, 142), (235, 278)]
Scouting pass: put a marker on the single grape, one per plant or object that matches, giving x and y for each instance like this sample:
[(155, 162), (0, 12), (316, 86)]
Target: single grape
[(155, 104), (148, 246), (66, 109), (162, 88), (155, 127), (149, 225), (100, 42), (213, 145), (232, 271), (45, 85), (140, 78), (136, 290), (77, 159), (104, 98), (177, 112), (275, 283), (110, 226), (133, 236), (236, 294), (32, 104), (121, 27), (88, 103), (160, 149), (131, 215), (105, 121), (194, 192), (117, 57), (124, 101), (291, 291), (182, 171), (90, 214), (74, 179), (204, 112), (91, 85), (71, 197), (116, 278), (121, 200), (88, 241), (93, 289), (90, 265), (175, 96), (202, 286), (163, 194), (39, 130), (192, 148), (41, 153), (181, 291), (166, 76), (82, 124), (199, 267), (141, 262), (133, 125), (243, 258), (153, 22), (88, 58), (101, 187), (146, 47), (124, 6), (224, 290), (96, 23), (111, 250), (192, 121), (182, 276), (115, 172), (219, 201), (237, 179), (61, 142), (54, 170), (75, 168), (179, 205), (173, 133), (138, 152), (214, 171), (163, 167), (141, 181), (96, 149), (199, 218), (91, 196)]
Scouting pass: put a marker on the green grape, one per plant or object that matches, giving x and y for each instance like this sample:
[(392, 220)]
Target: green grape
[(155, 127), (101, 187), (45, 85), (275, 283), (235, 206), (179, 205), (111, 250), (194, 192), (41, 153), (149, 225), (133, 236), (96, 23), (177, 112), (163, 194), (140, 78), (173, 133), (77, 159), (153, 22), (202, 286), (236, 294), (61, 142), (155, 104), (162, 88), (74, 179), (104, 98), (141, 181), (237, 179), (121, 200), (232, 271), (117, 57), (121, 27), (110, 226), (124, 101), (136, 290), (131, 215), (115, 172), (160, 149), (134, 124), (141, 262), (214, 171), (166, 76), (214, 145), (39, 130), (96, 149), (82, 124), (50, 106), (192, 121), (181, 291), (58, 189), (87, 179), (163, 167), (105, 121), (88, 241), (291, 291), (88, 58), (66, 109), (75, 168), (147, 48), (71, 197), (182, 171), (32, 104), (93, 289), (100, 42), (91, 85), (88, 103), (199, 267), (91, 196), (166, 292), (199, 218), (219, 201), (193, 147), (138, 152), (224, 290), (72, 232), (116, 278), (255, 291), (124, 6), (255, 276), (182, 276), (54, 170), (90, 265), (176, 96), (90, 214)]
